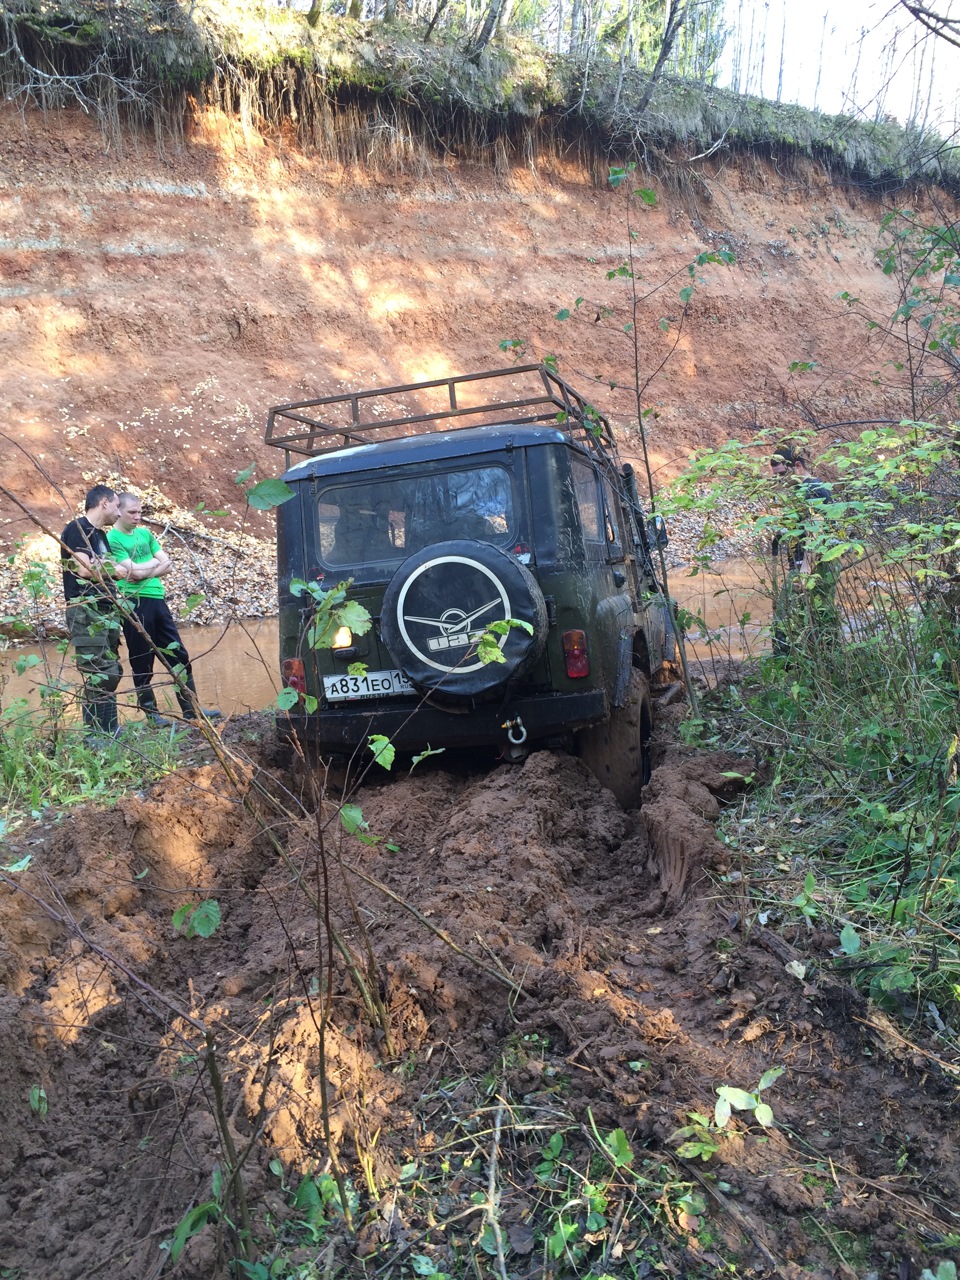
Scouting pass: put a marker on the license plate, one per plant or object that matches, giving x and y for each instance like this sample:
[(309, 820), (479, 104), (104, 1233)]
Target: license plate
[(375, 684)]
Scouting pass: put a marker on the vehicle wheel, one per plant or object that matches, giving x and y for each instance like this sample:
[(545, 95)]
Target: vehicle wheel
[(617, 752), (439, 602)]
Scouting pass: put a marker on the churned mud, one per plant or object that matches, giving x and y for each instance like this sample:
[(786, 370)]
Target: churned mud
[(545, 962)]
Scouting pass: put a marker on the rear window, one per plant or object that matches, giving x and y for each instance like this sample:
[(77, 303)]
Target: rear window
[(376, 522)]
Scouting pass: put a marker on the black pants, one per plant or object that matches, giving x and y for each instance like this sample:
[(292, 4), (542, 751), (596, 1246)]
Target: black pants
[(153, 614)]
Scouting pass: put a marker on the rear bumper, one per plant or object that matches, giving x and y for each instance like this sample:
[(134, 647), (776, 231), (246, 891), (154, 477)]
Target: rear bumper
[(411, 727)]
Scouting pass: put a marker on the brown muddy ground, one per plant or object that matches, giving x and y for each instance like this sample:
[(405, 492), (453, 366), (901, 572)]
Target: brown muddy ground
[(548, 965)]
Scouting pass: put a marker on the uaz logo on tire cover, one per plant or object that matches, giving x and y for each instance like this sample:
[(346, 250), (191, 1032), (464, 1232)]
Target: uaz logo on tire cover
[(433, 628)]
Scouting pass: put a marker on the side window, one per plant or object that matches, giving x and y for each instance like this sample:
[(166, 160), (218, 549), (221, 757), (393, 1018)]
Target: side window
[(587, 497), (612, 529)]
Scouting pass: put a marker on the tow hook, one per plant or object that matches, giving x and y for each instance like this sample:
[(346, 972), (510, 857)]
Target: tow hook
[(516, 733), (515, 752)]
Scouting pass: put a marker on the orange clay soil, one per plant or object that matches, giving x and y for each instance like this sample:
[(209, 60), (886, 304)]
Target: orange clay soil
[(601, 978), (636, 992), (154, 304)]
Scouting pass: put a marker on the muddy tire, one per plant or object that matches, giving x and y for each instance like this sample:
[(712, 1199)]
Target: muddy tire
[(437, 605), (617, 752)]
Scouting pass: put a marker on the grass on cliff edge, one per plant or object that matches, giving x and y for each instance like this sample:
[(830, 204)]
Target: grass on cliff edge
[(135, 61)]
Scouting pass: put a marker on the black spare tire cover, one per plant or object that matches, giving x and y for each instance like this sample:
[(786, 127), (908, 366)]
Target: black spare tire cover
[(438, 604)]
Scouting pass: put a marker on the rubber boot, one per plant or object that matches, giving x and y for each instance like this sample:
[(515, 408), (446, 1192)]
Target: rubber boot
[(105, 716), (190, 702), (91, 721), (147, 702)]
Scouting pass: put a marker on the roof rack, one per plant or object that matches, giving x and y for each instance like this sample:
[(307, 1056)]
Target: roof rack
[(527, 394)]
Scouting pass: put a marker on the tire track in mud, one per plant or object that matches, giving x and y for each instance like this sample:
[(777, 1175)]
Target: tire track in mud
[(641, 990), (638, 973)]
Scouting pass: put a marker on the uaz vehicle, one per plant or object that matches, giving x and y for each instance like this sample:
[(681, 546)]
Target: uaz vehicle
[(452, 505)]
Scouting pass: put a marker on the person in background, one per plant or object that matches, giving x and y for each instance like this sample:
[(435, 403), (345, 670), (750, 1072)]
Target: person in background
[(804, 606), (90, 576), (149, 629)]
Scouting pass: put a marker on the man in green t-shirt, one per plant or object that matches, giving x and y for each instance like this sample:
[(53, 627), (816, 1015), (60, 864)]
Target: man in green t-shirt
[(150, 631)]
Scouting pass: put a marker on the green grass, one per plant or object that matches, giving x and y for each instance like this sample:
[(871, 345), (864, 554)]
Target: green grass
[(854, 826), (47, 765)]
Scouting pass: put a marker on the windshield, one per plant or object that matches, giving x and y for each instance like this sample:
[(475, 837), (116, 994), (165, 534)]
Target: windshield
[(373, 522)]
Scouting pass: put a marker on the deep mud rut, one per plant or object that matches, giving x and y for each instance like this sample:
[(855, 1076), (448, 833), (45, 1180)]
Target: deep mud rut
[(603, 980)]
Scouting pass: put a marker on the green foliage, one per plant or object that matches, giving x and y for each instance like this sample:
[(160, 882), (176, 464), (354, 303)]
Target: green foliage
[(355, 824), (546, 1170), (805, 901), (383, 750), (849, 940), (946, 1270), (197, 920), (46, 762), (618, 1148), (332, 610), (191, 1224), (859, 722), (698, 1140), (38, 1101), (425, 92), (318, 1200), (488, 645), (268, 494), (730, 1099), (265, 494), (424, 1266)]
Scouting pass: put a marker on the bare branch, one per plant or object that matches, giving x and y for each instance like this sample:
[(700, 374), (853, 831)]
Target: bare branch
[(946, 28)]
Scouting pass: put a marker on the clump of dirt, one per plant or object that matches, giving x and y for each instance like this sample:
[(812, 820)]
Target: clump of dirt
[(539, 967)]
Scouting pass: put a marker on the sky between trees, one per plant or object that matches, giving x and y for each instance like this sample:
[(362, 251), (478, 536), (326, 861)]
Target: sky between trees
[(861, 57)]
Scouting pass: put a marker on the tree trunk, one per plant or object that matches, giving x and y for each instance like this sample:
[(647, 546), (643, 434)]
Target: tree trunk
[(504, 16), (433, 21), (676, 17), (487, 29), (576, 26)]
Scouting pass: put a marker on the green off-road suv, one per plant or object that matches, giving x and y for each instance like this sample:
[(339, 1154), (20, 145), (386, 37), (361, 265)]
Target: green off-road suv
[(449, 506)]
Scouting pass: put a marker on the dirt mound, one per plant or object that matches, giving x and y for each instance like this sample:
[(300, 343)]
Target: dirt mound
[(529, 967)]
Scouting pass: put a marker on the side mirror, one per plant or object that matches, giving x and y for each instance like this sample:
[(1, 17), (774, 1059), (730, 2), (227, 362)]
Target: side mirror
[(657, 534)]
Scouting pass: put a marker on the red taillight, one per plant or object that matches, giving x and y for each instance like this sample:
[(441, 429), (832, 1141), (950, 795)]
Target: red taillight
[(293, 674), (575, 654)]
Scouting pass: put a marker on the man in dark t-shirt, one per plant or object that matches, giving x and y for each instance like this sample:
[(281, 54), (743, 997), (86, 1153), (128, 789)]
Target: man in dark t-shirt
[(804, 605), (787, 462), (93, 618)]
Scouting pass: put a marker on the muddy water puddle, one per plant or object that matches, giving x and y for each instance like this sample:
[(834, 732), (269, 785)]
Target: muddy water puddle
[(731, 607), (236, 667)]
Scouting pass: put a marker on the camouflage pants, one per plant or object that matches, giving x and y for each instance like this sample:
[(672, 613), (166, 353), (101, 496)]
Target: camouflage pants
[(96, 642), (805, 614)]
